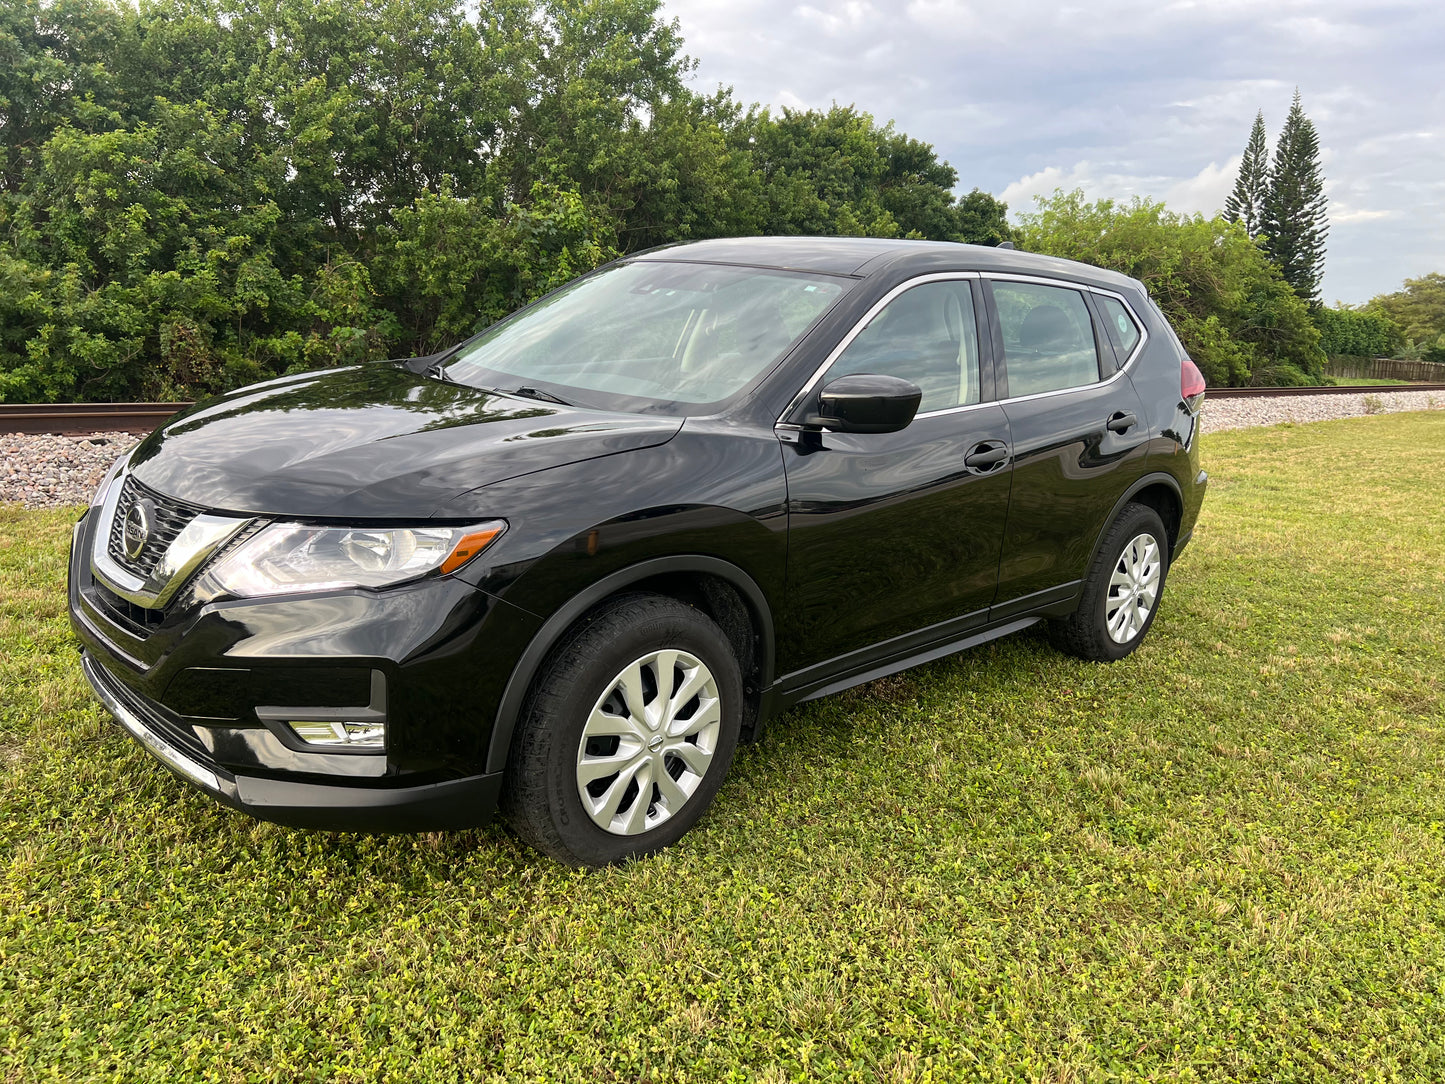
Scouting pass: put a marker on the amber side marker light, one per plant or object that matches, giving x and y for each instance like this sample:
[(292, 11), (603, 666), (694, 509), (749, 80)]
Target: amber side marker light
[(468, 546)]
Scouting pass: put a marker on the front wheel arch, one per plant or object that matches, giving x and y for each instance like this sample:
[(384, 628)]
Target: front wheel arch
[(529, 665)]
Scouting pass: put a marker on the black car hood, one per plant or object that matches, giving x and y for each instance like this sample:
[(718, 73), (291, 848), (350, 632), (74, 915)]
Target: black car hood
[(371, 441)]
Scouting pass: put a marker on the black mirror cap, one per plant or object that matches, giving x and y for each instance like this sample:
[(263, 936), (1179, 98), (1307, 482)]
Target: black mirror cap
[(867, 403)]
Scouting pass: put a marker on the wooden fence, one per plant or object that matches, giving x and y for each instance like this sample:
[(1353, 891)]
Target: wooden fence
[(1428, 372)]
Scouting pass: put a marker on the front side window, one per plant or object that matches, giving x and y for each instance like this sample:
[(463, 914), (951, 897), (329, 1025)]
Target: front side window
[(649, 335), (1048, 337), (926, 335)]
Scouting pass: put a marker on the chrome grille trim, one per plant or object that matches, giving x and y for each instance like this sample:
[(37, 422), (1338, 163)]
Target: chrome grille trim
[(173, 562), (172, 517)]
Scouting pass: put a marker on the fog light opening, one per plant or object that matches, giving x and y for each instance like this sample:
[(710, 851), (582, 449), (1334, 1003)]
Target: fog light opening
[(352, 735)]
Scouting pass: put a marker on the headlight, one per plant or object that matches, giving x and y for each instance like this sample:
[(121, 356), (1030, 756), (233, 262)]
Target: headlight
[(288, 557)]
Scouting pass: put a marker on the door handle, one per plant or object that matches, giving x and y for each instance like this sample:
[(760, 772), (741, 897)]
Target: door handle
[(1122, 422), (986, 456)]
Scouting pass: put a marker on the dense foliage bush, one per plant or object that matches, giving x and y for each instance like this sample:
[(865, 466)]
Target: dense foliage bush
[(195, 195), (1418, 309), (1357, 333), (1239, 320)]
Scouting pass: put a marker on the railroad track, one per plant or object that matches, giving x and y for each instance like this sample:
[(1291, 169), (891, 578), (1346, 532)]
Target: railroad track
[(1287, 393), (81, 419)]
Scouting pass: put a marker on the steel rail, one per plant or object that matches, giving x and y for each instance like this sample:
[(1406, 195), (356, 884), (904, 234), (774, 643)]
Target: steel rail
[(1289, 393), (82, 419)]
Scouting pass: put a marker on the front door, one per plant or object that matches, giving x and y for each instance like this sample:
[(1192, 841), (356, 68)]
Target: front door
[(893, 533)]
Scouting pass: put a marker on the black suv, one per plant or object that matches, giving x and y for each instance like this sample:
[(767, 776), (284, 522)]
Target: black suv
[(566, 566)]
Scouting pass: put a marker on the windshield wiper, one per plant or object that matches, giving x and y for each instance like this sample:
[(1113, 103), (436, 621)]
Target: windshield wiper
[(535, 393)]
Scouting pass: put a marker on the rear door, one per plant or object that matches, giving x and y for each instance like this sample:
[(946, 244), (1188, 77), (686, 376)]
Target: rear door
[(895, 535), (1080, 438)]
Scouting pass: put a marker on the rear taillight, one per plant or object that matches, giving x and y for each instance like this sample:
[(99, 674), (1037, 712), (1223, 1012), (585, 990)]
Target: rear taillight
[(1191, 380)]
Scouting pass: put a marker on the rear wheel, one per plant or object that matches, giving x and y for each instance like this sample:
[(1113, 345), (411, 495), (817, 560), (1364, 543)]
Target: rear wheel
[(627, 734), (1122, 591)]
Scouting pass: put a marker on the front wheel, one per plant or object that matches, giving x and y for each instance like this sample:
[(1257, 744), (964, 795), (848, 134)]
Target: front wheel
[(627, 734), (1122, 591)]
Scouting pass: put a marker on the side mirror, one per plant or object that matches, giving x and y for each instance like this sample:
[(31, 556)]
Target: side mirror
[(867, 403)]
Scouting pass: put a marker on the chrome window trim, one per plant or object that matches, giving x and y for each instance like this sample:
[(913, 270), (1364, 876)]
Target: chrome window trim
[(1134, 318), (857, 329), (945, 276), (1068, 284)]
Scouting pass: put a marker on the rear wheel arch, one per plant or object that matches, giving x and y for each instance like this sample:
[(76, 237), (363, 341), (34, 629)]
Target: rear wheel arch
[(1121, 589), (727, 594), (1158, 491)]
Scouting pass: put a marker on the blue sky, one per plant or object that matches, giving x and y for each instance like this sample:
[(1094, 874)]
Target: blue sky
[(1125, 98)]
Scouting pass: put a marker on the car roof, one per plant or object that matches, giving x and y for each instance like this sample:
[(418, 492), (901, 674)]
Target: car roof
[(863, 256)]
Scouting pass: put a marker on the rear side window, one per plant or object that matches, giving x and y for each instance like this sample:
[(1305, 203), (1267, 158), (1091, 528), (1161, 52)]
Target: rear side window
[(927, 335), (1125, 330), (1048, 337)]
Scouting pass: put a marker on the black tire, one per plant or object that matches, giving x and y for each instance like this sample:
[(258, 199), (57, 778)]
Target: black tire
[(541, 797), (1085, 632)]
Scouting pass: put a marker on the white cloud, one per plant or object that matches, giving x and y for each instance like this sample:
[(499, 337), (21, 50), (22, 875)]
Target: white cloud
[(949, 18), (841, 19), (1126, 97), (1020, 195), (1340, 214), (1206, 191)]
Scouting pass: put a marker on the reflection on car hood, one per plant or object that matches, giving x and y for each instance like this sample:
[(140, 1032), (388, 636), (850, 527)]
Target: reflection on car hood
[(370, 441)]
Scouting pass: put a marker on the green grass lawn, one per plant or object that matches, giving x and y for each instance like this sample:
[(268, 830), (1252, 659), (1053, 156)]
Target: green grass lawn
[(1364, 381), (1221, 859)]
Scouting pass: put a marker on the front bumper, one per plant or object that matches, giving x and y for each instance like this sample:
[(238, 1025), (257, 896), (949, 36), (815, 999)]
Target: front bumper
[(207, 687), (453, 803)]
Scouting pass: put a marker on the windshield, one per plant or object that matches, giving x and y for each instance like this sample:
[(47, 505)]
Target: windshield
[(648, 335)]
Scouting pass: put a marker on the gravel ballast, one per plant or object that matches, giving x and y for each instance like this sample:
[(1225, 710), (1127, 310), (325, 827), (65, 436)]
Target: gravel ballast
[(1221, 414), (53, 471)]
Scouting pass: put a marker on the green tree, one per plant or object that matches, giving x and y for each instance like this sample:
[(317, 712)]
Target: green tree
[(1295, 220), (53, 70), (822, 173), (982, 220), (840, 172), (450, 265), (1237, 317), (1418, 309), (1352, 332), (1251, 189), (195, 194)]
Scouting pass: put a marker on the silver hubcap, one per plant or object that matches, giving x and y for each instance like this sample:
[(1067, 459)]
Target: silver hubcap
[(648, 742), (1133, 589)]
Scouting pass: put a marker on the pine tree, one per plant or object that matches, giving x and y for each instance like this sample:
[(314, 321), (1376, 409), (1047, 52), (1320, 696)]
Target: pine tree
[(1246, 203), (1295, 223)]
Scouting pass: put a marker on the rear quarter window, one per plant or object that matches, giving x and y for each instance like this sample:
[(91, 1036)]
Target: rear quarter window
[(1126, 332)]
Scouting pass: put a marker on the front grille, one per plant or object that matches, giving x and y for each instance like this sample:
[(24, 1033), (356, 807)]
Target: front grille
[(136, 620), (171, 517)]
